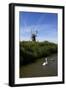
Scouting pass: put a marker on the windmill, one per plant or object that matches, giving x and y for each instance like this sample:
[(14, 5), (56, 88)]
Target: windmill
[(34, 35)]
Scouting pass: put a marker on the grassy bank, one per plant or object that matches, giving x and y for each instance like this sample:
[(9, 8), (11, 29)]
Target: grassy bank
[(30, 51)]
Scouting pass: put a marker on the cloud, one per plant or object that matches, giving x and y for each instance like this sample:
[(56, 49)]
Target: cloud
[(45, 32), (36, 27)]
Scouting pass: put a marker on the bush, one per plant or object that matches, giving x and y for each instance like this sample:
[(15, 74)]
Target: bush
[(30, 51)]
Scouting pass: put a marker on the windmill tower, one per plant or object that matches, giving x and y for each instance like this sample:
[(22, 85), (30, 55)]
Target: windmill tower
[(34, 35)]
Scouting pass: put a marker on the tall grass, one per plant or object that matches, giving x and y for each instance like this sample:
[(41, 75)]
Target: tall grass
[(30, 51)]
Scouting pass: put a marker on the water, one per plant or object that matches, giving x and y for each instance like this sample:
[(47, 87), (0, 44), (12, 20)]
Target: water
[(36, 69)]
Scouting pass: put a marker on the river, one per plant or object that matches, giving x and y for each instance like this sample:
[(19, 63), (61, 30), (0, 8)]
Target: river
[(36, 69)]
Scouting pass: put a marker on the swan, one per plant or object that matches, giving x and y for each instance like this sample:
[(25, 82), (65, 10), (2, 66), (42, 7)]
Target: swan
[(46, 62)]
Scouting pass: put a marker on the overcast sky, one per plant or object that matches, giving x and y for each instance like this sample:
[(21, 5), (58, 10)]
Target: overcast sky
[(45, 23)]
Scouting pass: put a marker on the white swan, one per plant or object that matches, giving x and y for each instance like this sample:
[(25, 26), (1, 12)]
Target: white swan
[(46, 62)]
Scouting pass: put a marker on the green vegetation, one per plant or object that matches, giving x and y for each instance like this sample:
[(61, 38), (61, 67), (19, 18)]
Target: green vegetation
[(31, 51)]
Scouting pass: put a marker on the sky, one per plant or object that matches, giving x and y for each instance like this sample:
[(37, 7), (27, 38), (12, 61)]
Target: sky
[(46, 24)]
